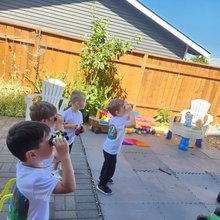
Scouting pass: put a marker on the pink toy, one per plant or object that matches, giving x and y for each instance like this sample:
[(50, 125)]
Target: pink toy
[(133, 141)]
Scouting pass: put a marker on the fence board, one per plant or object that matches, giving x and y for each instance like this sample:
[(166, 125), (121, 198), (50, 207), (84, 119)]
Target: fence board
[(151, 81)]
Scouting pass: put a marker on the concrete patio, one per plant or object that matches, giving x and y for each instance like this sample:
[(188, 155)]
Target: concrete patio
[(187, 188)]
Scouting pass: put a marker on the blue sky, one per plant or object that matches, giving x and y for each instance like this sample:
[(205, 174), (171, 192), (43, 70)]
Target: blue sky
[(197, 19)]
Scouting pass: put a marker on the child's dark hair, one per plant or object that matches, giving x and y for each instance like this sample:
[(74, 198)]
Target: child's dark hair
[(25, 136), (42, 110), (115, 105), (77, 96)]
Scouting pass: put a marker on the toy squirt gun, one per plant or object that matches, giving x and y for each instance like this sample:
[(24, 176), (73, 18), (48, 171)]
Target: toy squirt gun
[(213, 216)]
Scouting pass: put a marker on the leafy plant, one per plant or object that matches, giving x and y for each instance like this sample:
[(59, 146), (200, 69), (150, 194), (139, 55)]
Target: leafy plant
[(163, 115), (12, 102), (99, 73), (95, 96), (199, 59)]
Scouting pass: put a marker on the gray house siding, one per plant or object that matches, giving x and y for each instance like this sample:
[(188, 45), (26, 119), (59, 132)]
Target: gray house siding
[(73, 18)]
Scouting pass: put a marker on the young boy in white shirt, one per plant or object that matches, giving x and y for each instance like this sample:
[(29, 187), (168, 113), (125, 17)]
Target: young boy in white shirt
[(46, 113), (73, 118), (29, 142), (121, 112)]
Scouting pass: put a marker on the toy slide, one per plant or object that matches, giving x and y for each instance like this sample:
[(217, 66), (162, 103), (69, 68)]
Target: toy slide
[(133, 141)]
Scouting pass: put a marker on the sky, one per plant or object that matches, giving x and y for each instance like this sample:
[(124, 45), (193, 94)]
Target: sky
[(197, 19)]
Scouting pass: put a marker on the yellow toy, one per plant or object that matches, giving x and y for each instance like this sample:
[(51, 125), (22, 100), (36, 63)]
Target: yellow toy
[(129, 130), (4, 194)]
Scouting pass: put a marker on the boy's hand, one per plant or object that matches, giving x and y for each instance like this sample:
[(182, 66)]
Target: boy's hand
[(128, 107), (60, 119), (59, 126), (79, 130), (61, 146)]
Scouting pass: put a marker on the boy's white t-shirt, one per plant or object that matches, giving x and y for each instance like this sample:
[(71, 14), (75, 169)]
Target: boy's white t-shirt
[(72, 117), (37, 185), (116, 133)]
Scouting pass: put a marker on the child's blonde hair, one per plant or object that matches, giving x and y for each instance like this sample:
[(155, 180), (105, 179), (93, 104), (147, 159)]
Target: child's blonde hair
[(77, 96), (115, 105)]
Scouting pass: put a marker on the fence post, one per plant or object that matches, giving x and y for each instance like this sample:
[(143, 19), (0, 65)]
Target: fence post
[(143, 66), (37, 49)]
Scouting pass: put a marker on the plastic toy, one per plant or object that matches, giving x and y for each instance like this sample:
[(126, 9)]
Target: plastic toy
[(102, 115), (97, 126), (79, 130), (212, 216), (133, 141), (130, 130), (4, 194), (100, 123)]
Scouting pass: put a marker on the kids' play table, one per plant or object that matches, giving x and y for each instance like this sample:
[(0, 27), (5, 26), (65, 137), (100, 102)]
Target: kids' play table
[(186, 134)]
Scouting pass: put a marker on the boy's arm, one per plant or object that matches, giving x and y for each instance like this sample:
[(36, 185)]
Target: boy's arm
[(131, 123), (131, 117), (70, 125), (68, 183)]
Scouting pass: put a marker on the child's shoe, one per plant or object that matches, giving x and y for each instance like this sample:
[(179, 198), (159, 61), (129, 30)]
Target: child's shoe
[(104, 189)]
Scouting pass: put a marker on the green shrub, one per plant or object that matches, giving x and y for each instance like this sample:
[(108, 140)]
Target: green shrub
[(95, 96), (99, 78), (163, 115), (12, 102)]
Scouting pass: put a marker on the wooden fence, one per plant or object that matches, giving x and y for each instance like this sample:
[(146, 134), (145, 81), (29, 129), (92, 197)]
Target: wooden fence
[(151, 81)]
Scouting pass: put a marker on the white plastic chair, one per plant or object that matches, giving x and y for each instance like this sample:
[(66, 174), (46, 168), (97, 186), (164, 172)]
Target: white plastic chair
[(199, 108), (52, 91)]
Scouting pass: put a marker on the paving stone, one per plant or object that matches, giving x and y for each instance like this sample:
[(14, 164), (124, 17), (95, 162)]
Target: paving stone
[(65, 215), (84, 192), (83, 186), (80, 199), (70, 203), (86, 206), (87, 214), (60, 203)]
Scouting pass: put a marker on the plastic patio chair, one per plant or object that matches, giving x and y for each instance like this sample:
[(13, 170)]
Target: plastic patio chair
[(4, 194), (52, 91), (199, 109)]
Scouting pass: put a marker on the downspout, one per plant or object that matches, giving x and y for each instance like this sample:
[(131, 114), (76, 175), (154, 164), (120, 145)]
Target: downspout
[(186, 51)]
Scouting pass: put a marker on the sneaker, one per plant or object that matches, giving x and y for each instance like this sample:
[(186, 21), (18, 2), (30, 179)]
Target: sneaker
[(55, 174), (110, 181), (104, 189)]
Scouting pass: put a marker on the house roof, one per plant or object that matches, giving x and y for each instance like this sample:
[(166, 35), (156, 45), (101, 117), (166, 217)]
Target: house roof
[(193, 47)]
